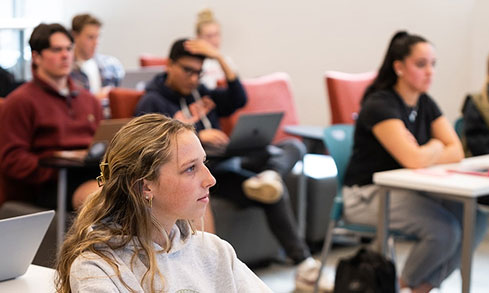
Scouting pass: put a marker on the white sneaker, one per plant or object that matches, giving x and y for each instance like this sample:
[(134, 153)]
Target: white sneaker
[(306, 275), (265, 187)]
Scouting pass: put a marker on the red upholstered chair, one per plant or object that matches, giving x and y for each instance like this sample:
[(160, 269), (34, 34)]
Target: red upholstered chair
[(268, 93), (123, 102), (146, 60), (2, 100), (345, 91)]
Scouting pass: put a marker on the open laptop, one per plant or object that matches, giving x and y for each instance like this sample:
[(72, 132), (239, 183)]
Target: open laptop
[(138, 78), (252, 132), (102, 137), (21, 237)]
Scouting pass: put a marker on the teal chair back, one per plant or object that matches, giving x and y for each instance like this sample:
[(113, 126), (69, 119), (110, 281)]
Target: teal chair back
[(459, 127), (338, 139)]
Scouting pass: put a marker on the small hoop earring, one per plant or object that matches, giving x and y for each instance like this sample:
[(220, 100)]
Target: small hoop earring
[(150, 201)]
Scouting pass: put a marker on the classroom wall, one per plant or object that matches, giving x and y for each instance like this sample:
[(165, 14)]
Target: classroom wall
[(306, 38)]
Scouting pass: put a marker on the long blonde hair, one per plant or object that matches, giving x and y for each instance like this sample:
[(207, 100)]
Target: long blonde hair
[(205, 16), (119, 211)]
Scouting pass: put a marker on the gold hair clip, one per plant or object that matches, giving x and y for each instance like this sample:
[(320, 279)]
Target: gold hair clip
[(101, 178)]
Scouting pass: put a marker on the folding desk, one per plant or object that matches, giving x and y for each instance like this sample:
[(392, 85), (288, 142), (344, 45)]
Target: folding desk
[(454, 186), (37, 279)]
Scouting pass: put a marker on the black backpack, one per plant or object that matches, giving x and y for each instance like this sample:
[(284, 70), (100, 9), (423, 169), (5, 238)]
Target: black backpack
[(366, 272)]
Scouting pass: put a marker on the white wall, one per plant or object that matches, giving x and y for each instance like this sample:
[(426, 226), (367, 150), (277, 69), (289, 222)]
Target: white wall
[(306, 38)]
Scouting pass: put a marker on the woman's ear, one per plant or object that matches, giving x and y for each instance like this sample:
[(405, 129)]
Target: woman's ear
[(398, 67), (147, 189)]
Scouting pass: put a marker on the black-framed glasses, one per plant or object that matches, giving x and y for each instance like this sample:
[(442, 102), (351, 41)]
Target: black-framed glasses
[(189, 71)]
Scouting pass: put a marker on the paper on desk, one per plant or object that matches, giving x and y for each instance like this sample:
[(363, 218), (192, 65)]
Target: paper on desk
[(439, 172)]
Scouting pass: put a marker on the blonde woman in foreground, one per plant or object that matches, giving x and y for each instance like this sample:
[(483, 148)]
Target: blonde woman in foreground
[(135, 234)]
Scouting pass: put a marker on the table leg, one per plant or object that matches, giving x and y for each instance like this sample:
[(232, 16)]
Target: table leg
[(302, 201), (383, 221), (61, 209), (469, 223)]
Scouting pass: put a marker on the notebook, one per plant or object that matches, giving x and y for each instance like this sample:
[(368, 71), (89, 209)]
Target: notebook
[(103, 135), (251, 132), (21, 237)]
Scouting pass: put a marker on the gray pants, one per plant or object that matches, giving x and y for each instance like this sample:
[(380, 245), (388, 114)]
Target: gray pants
[(435, 222)]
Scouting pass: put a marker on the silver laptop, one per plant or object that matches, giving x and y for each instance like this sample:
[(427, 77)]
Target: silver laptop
[(251, 132), (20, 239), (138, 78)]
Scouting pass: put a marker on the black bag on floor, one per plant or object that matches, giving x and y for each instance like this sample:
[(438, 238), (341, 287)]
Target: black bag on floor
[(366, 272)]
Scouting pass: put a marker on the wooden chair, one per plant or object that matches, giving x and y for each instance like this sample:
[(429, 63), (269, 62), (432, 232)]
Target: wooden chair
[(345, 91), (123, 102)]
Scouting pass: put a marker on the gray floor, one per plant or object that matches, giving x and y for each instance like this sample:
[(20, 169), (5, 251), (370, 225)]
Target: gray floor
[(281, 277)]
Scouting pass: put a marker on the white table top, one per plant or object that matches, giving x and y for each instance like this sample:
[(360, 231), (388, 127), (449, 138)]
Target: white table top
[(36, 279), (437, 179)]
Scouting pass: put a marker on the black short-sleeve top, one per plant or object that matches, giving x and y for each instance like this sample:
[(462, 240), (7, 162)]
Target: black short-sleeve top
[(368, 155)]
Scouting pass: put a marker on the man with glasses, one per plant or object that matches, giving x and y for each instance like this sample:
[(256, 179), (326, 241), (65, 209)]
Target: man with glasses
[(47, 114), (179, 94)]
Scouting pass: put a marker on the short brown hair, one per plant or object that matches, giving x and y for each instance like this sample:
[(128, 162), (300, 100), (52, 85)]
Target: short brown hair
[(81, 20), (40, 37)]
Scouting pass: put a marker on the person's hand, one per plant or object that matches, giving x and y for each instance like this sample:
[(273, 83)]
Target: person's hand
[(103, 93), (71, 154), (201, 47), (180, 116), (202, 107), (197, 110), (213, 137)]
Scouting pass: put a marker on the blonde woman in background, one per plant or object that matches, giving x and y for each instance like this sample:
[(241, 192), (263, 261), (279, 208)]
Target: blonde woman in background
[(135, 234), (208, 29)]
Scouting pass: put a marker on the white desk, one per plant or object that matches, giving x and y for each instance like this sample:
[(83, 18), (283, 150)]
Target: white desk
[(454, 186), (36, 279)]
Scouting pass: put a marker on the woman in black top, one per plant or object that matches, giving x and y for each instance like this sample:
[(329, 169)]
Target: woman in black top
[(400, 126)]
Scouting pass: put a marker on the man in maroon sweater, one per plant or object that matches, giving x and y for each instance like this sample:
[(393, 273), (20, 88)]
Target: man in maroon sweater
[(42, 116)]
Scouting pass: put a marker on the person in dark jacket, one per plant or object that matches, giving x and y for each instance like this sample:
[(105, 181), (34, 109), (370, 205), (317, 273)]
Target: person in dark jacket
[(475, 136), (7, 83), (475, 112)]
